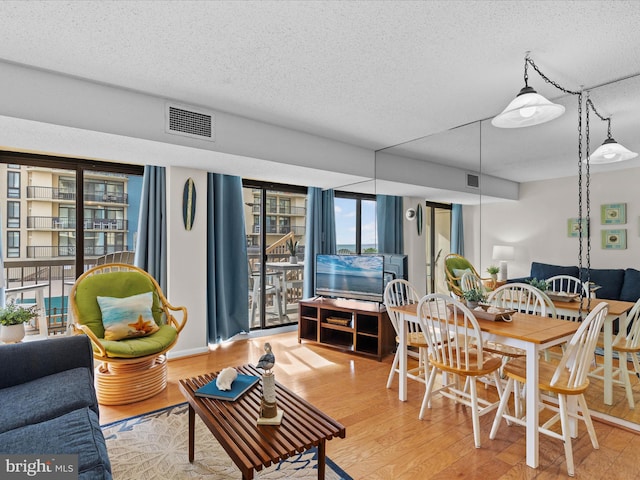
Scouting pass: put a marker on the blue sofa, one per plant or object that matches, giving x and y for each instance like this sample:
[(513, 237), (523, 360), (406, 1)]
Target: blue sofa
[(615, 283), (48, 403)]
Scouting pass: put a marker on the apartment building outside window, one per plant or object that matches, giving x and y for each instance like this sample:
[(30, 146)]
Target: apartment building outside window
[(13, 244), (13, 184), (13, 214)]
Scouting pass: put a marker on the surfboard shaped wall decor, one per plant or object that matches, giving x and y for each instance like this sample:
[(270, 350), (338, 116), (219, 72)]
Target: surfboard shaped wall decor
[(189, 203)]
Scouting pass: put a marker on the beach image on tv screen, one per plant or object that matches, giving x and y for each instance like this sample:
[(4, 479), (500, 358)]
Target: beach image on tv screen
[(350, 276)]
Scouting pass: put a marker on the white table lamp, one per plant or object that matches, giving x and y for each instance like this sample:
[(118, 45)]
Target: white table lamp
[(503, 253)]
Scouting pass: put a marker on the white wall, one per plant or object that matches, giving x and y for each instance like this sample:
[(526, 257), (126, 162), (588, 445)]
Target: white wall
[(415, 246), (536, 225), (187, 268)]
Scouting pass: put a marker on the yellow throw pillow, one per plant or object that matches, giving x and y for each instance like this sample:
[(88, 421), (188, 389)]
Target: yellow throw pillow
[(127, 317)]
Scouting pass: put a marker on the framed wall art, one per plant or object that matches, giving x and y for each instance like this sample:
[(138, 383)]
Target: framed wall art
[(614, 239), (573, 227), (613, 214)]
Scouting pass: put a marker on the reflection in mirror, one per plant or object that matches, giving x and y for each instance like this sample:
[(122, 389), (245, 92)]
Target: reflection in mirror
[(528, 193)]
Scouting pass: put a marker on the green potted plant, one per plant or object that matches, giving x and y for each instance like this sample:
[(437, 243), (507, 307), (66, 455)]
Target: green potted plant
[(493, 271), (474, 296), (539, 284), (12, 320), (292, 246)]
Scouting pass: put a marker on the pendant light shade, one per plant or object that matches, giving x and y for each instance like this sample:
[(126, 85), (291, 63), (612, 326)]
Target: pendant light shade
[(528, 108), (611, 151)]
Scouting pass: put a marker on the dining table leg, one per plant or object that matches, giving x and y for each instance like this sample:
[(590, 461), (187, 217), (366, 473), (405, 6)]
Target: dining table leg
[(402, 363), (532, 395)]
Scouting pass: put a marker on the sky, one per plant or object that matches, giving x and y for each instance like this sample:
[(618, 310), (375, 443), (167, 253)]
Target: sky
[(345, 212)]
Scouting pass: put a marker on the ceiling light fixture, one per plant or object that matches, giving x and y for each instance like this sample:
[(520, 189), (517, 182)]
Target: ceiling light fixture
[(513, 117), (529, 107), (610, 151)]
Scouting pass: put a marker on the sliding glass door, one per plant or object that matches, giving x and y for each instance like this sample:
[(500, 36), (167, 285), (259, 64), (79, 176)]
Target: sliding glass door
[(275, 218), (438, 243)]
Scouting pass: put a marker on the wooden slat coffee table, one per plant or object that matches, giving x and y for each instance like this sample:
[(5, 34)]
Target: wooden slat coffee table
[(251, 446)]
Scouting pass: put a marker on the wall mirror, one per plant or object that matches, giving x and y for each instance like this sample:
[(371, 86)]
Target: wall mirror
[(539, 154)]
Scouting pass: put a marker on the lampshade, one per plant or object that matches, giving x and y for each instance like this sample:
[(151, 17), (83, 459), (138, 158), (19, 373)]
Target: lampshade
[(528, 108), (503, 252), (611, 151)]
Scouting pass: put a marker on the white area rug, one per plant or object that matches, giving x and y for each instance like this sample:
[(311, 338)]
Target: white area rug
[(154, 446)]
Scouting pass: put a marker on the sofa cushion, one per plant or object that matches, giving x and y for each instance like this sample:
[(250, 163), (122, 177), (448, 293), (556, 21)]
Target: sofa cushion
[(609, 279), (75, 433), (542, 271), (48, 397), (631, 286)]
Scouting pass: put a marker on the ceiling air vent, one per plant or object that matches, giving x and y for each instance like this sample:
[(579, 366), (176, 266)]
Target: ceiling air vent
[(189, 122), (473, 180)]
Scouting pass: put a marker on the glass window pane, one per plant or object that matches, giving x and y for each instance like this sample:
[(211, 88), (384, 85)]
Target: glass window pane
[(369, 229), (345, 213)]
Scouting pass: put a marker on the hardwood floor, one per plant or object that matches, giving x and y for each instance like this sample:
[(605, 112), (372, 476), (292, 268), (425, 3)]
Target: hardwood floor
[(385, 439)]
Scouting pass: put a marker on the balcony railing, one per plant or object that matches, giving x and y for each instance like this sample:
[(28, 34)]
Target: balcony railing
[(53, 193), (53, 251), (274, 210), (64, 223), (298, 231), (47, 281)]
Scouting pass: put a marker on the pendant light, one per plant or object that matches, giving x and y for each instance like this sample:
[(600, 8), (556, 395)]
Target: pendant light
[(528, 108), (611, 151)]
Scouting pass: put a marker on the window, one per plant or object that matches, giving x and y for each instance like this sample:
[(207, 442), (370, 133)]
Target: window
[(355, 223), (13, 244), (13, 214), (13, 184)]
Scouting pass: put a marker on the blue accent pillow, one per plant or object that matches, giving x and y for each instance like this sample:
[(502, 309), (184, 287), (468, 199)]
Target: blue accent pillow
[(128, 317), (631, 286)]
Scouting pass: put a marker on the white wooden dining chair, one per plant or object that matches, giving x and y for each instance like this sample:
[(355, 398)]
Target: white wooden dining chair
[(461, 357), (567, 284), (470, 281), (521, 297), (400, 292), (569, 377), (627, 344)]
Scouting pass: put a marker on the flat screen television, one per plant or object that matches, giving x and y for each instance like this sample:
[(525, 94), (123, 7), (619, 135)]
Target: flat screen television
[(358, 277)]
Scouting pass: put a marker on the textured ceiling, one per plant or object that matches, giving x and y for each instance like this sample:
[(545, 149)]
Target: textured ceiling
[(370, 73)]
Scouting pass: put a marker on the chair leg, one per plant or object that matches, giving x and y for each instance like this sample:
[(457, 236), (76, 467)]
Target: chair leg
[(475, 414), (624, 374), (566, 433), (394, 367), (501, 408), (586, 416), (426, 401)]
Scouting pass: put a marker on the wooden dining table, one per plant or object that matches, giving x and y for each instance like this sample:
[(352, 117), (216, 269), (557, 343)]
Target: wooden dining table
[(531, 333), (617, 310)]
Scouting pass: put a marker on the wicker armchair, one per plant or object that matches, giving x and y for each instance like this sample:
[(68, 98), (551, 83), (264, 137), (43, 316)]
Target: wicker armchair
[(132, 368)]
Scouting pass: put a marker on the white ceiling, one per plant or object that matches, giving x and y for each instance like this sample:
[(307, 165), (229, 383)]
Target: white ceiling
[(370, 73)]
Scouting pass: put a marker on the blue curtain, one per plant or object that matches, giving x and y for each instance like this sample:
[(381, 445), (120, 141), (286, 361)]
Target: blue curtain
[(389, 215), (151, 247), (320, 235), (457, 233), (227, 261)]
